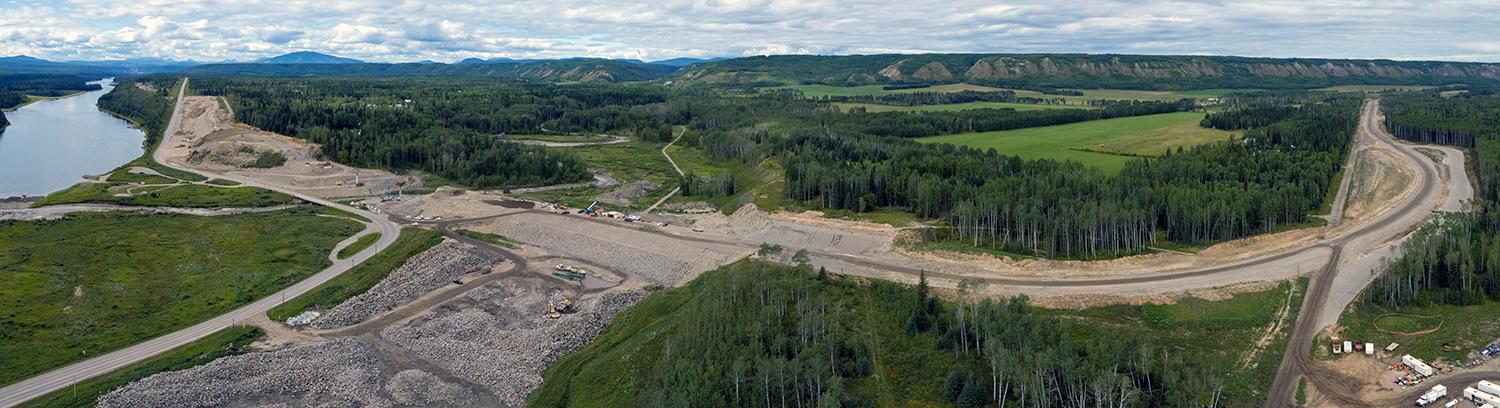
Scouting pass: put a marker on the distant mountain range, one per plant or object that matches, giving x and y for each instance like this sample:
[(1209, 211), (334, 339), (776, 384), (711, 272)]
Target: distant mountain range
[(307, 57), (1010, 70)]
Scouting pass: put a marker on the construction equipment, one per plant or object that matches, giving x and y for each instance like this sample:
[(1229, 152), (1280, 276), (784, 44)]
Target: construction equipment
[(1436, 393), (556, 309)]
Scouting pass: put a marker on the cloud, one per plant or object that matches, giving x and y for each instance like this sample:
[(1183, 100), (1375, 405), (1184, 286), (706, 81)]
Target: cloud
[(411, 30)]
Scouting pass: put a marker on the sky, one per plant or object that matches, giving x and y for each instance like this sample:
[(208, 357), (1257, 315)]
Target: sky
[(445, 31)]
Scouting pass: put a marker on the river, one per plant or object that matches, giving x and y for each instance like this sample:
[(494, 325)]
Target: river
[(52, 144)]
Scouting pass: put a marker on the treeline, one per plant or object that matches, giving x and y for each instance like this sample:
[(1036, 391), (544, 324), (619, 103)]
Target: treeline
[(1455, 259), (936, 98), (1275, 176), (754, 334), (148, 110), (15, 86), (445, 126)]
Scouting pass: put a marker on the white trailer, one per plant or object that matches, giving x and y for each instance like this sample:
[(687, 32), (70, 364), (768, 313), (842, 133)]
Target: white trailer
[(1480, 397), (1369, 349), (1432, 395), (1348, 346), (1418, 366), (1488, 387)]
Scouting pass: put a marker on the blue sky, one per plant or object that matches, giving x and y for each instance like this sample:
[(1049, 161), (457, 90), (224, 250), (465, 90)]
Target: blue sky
[(213, 30)]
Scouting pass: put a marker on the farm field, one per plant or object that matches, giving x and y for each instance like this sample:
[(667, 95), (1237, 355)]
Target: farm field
[(1375, 88), (819, 91), (92, 283), (1105, 144), (875, 107)]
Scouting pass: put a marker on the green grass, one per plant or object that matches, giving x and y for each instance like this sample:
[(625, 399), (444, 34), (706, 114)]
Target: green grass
[(875, 107), (819, 91), (496, 239), (1408, 323), (573, 197), (227, 342), (1111, 142), (1468, 327), (894, 218), (954, 246), (187, 195), (359, 279), (359, 245), (627, 161), (141, 276), (1302, 392), (223, 182)]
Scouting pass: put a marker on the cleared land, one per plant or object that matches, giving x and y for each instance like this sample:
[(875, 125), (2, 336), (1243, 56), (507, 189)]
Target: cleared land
[(1376, 88), (413, 241), (875, 107), (1467, 327), (1105, 144), (91, 283)]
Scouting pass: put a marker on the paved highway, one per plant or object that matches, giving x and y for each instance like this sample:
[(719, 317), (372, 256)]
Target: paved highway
[(37, 386)]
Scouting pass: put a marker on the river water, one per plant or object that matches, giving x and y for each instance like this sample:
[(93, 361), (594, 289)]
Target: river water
[(52, 144)]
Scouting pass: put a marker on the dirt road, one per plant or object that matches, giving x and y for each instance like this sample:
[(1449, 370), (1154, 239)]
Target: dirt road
[(1357, 258), (50, 381)]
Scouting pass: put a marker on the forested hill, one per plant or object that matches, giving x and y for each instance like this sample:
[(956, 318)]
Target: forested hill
[(3, 121), (541, 71), (1087, 71)]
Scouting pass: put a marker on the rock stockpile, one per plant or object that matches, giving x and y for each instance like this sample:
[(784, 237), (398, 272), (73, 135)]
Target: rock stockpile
[(421, 274), (335, 372), (498, 337)]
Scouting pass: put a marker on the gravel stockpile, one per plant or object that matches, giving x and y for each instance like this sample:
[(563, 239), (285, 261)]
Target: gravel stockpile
[(421, 274), (340, 372), (422, 389), (654, 267), (498, 338), (628, 193)]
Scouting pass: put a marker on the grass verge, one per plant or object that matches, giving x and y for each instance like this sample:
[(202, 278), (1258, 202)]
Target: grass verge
[(359, 245), (1462, 328), (231, 341), (91, 283), (359, 279), (1106, 144)]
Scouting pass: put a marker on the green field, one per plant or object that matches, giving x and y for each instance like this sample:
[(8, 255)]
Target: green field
[(411, 242), (91, 283), (1468, 327), (181, 195), (875, 107), (227, 342), (496, 239), (819, 91), (359, 245), (1105, 144), (1375, 88), (675, 344)]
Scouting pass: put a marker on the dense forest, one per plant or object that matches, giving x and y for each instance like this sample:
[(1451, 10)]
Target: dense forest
[(755, 334), (15, 87), (447, 127), (549, 71), (1275, 176), (1456, 258), (3, 121), (148, 110)]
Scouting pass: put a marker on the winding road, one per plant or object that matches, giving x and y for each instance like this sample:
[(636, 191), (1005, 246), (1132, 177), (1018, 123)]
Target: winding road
[(1340, 264), (54, 380)]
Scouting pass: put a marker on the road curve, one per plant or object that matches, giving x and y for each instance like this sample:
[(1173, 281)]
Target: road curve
[(1370, 242), (57, 379)]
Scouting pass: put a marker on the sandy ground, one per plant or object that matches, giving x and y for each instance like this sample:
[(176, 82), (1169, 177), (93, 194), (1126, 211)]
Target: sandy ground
[(210, 140)]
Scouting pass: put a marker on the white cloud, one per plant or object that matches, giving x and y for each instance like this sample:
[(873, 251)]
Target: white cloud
[(409, 30)]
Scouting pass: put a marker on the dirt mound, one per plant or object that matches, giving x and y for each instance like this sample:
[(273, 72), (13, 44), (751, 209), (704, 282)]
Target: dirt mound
[(508, 203), (628, 193)]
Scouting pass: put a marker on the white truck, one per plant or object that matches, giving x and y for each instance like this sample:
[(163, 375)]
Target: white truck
[(1436, 393)]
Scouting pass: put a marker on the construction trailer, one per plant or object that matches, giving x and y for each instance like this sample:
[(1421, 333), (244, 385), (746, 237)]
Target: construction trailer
[(1433, 395), (1480, 397), (1488, 388), (1418, 366), (1348, 346), (1369, 349)]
